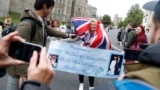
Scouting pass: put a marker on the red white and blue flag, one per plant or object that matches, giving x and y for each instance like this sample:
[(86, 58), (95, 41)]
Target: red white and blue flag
[(101, 40)]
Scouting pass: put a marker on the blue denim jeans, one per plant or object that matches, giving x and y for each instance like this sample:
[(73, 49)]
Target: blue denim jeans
[(13, 83)]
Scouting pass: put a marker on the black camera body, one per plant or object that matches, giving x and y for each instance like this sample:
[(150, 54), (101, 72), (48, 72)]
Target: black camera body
[(131, 54)]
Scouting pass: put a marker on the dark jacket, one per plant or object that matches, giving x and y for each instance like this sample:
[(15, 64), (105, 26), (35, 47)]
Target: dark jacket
[(130, 38), (119, 35), (117, 67), (24, 29), (34, 85), (148, 69), (122, 35)]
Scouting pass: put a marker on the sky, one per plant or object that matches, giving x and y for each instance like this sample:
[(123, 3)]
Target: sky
[(112, 7)]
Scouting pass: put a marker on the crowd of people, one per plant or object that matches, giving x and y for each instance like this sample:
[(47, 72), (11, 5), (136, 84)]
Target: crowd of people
[(131, 36), (38, 73), (6, 23)]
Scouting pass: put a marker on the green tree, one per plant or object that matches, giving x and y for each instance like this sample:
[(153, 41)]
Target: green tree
[(121, 24), (112, 23), (106, 20), (135, 15)]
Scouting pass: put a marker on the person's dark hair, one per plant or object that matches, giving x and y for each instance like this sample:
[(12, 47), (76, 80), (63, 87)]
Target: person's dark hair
[(156, 22), (131, 24), (1, 23), (38, 5)]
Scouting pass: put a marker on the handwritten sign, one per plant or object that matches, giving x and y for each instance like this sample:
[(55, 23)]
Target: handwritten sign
[(86, 61)]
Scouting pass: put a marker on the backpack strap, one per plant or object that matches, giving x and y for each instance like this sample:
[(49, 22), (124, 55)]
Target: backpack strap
[(33, 25)]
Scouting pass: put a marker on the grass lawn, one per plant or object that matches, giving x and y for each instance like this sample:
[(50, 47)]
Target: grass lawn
[(14, 16)]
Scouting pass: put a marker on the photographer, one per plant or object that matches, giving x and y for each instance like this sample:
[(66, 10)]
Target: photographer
[(38, 35), (144, 74), (38, 75), (147, 70)]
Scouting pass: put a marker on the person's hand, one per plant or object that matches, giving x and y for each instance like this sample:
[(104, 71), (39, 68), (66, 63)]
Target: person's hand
[(43, 71), (5, 59), (119, 50), (121, 77), (72, 35)]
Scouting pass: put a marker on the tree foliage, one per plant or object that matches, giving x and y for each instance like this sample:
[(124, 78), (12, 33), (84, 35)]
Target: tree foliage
[(106, 20), (121, 24), (135, 15)]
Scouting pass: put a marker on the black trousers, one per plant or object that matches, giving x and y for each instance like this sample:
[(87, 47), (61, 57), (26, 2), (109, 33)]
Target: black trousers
[(91, 80)]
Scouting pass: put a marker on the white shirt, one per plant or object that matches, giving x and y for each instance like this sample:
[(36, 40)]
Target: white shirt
[(112, 67), (113, 63), (63, 28)]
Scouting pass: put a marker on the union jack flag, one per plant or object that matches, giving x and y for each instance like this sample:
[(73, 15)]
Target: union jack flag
[(101, 40)]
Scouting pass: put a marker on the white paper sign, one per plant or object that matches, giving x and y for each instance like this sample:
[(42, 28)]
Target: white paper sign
[(77, 59)]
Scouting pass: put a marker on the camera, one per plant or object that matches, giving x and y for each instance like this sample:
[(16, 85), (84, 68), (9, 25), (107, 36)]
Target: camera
[(23, 50)]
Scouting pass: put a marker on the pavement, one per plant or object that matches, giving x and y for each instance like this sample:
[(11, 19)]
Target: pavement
[(69, 81)]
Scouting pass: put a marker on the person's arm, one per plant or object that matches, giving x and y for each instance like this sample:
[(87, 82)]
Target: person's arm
[(56, 33), (71, 40), (34, 85), (131, 38), (115, 48)]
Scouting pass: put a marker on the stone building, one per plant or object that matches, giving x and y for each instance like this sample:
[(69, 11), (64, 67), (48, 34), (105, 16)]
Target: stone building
[(117, 20), (91, 11), (4, 7), (147, 19), (62, 10), (19, 5), (80, 8)]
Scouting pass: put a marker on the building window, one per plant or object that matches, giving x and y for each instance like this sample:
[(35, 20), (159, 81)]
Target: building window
[(68, 12), (59, 11), (61, 1), (79, 9), (145, 20)]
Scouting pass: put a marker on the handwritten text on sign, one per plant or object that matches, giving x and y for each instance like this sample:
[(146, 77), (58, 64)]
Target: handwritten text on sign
[(82, 60)]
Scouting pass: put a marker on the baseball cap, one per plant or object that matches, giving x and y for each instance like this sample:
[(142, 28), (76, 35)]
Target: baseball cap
[(153, 6)]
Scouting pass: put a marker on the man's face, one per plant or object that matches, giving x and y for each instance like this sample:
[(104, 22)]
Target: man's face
[(154, 34), (128, 27), (46, 10), (63, 23)]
